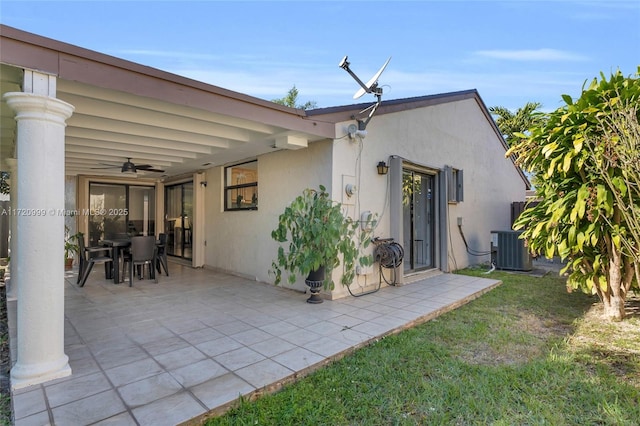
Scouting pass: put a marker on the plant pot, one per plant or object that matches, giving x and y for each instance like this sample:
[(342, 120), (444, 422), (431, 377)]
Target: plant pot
[(315, 281), (68, 263)]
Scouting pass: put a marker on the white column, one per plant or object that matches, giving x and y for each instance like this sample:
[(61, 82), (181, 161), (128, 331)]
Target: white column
[(13, 196), (40, 231)]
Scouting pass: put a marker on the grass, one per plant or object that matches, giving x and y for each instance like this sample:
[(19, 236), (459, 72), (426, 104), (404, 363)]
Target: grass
[(525, 353)]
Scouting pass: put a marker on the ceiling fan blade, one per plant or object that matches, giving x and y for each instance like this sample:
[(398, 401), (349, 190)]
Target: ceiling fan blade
[(128, 167), (106, 166), (148, 168)]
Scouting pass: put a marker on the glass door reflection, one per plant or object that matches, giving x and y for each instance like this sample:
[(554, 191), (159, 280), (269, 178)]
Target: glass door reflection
[(179, 219), (418, 219), (120, 211)]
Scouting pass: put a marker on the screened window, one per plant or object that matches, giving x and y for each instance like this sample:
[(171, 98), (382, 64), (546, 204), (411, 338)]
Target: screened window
[(241, 186)]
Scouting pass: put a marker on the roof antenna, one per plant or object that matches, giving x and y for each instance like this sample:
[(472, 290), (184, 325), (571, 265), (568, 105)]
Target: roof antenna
[(370, 87)]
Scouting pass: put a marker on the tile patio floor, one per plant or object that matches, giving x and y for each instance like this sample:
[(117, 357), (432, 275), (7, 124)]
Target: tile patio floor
[(166, 353)]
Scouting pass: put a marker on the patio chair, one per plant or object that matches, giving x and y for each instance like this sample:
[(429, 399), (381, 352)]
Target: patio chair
[(161, 255), (142, 253), (89, 256)]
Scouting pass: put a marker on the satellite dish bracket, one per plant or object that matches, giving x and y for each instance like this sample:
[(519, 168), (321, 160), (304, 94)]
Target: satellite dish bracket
[(344, 64), (362, 124), (370, 87)]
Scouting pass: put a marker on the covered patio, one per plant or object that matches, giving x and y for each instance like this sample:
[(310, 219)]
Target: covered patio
[(99, 145), (192, 344)]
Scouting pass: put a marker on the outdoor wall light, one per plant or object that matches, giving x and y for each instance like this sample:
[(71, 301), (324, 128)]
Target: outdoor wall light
[(383, 169), (203, 184)]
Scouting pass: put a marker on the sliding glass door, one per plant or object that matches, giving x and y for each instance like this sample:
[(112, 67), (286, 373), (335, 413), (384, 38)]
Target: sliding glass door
[(141, 210), (120, 211), (179, 219), (418, 220)]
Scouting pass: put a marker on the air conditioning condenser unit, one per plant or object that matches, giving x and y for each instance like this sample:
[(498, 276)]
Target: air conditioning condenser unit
[(509, 252)]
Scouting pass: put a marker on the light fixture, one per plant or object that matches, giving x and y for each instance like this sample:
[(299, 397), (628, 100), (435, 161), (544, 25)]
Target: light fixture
[(383, 169), (129, 168), (203, 184)]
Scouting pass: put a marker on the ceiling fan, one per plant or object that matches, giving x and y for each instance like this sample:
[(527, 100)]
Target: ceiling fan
[(130, 168)]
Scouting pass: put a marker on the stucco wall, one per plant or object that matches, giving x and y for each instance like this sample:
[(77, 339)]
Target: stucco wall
[(456, 134), (240, 241)]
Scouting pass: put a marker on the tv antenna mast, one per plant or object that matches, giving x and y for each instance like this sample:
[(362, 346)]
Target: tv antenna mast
[(370, 87)]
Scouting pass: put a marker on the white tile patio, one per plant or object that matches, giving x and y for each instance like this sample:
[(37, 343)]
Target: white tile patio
[(168, 353)]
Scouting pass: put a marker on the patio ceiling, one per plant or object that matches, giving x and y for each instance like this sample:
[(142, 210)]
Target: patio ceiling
[(126, 110), (108, 127), (9, 82)]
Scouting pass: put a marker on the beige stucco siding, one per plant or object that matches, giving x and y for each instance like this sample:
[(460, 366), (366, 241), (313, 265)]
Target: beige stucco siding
[(456, 134), (240, 241)]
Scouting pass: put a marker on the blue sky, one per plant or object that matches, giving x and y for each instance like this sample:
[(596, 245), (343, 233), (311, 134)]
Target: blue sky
[(511, 51)]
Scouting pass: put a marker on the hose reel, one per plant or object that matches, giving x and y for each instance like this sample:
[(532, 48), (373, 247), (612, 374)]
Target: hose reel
[(389, 255)]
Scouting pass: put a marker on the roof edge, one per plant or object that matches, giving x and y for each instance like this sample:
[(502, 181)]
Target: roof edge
[(345, 112), (26, 50), (22, 36), (400, 104)]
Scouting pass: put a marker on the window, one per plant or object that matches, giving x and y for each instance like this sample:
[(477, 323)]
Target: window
[(241, 186), (118, 210), (455, 184)]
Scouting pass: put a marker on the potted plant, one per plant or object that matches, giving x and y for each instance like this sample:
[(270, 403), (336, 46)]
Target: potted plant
[(71, 247), (319, 236)]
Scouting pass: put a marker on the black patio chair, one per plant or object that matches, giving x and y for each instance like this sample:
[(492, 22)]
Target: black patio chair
[(142, 253), (161, 256), (89, 256)]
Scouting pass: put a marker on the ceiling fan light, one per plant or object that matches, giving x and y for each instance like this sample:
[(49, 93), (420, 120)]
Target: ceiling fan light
[(128, 168)]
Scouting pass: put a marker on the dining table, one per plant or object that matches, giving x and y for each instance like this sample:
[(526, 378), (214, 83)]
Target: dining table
[(118, 245)]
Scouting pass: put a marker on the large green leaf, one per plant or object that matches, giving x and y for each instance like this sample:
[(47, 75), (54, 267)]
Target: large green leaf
[(620, 184), (578, 141), (604, 199), (566, 165)]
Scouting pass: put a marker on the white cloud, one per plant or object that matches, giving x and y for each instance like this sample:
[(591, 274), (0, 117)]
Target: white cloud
[(328, 85), (328, 88), (271, 83), (532, 55)]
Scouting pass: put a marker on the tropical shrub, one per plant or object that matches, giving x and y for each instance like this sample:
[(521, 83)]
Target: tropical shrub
[(583, 174)]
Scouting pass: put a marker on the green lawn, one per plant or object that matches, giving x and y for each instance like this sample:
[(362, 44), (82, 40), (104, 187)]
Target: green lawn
[(525, 353)]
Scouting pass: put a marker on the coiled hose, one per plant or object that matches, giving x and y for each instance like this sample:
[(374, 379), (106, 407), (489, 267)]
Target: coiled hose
[(389, 255)]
